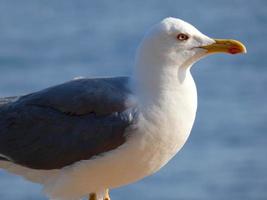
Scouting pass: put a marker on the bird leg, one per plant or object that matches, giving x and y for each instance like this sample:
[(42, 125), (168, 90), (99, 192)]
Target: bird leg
[(93, 196), (107, 195)]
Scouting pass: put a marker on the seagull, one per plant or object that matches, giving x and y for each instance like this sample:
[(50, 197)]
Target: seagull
[(86, 136)]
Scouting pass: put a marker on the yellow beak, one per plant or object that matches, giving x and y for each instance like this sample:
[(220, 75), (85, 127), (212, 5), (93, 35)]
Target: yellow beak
[(225, 46)]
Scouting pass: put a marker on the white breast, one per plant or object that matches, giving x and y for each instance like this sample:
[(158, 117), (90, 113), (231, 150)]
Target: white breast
[(161, 132)]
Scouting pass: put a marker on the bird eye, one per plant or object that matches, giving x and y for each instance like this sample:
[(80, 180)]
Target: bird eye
[(182, 37)]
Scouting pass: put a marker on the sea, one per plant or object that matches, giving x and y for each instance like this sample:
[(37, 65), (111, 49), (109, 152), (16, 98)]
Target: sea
[(47, 42)]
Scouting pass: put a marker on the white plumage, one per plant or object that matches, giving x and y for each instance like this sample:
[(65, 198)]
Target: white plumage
[(165, 93)]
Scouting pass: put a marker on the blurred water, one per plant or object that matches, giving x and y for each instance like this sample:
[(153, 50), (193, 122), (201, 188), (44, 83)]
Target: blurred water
[(46, 42)]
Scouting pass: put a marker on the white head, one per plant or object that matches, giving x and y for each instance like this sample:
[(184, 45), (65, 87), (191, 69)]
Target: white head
[(174, 42), (170, 48)]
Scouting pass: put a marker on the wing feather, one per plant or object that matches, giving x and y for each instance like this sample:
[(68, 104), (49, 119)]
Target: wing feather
[(67, 123)]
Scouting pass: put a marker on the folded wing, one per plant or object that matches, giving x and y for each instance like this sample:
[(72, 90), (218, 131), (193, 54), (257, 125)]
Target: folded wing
[(67, 123)]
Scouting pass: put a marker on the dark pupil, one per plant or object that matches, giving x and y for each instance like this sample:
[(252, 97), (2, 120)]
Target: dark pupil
[(182, 37)]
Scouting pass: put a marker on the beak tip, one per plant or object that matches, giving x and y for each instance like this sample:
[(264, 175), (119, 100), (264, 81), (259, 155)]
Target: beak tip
[(239, 50), (244, 50), (237, 47)]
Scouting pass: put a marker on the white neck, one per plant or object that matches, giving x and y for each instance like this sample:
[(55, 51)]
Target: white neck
[(167, 100), (158, 80)]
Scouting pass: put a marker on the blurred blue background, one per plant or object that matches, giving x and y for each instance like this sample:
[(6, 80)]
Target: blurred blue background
[(47, 42)]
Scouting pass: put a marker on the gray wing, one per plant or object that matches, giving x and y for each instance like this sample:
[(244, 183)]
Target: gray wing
[(66, 123)]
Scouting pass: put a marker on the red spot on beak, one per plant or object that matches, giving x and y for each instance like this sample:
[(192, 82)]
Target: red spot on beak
[(234, 50)]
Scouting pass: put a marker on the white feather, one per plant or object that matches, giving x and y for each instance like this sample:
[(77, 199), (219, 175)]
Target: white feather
[(166, 95)]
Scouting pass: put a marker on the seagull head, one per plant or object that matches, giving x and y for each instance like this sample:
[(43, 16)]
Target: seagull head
[(174, 42), (168, 51)]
